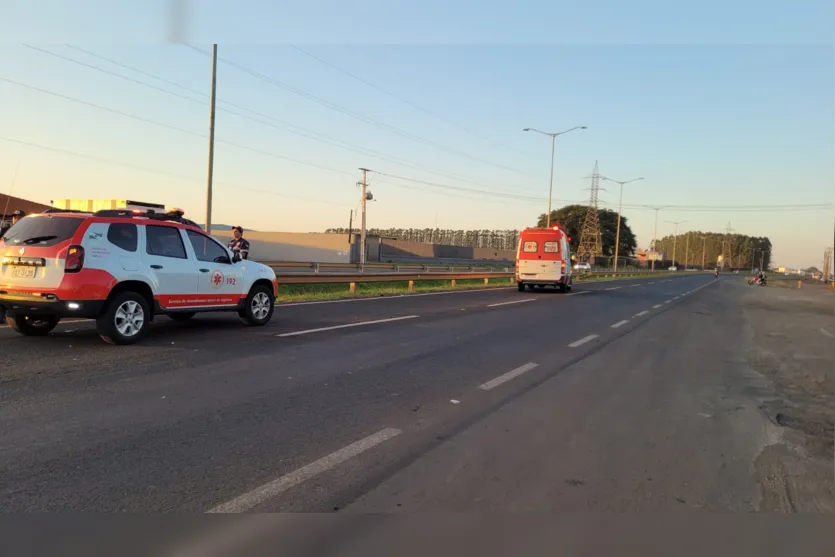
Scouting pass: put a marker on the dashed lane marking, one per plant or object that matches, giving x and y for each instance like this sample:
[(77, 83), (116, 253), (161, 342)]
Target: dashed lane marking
[(511, 302), (641, 313), (360, 324), (620, 324), (504, 378), (269, 490), (582, 341)]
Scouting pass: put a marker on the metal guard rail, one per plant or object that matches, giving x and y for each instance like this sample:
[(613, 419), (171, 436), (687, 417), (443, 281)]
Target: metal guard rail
[(353, 278), (395, 267)]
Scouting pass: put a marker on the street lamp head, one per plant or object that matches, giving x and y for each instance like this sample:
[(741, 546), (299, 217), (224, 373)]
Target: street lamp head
[(583, 128), (526, 130)]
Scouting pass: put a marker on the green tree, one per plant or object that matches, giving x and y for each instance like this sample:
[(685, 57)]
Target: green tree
[(571, 217)]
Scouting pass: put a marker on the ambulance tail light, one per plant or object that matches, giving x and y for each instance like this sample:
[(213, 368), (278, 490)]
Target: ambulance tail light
[(75, 259)]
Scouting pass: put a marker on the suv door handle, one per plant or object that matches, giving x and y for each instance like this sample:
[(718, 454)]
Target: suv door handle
[(156, 266), (204, 270)]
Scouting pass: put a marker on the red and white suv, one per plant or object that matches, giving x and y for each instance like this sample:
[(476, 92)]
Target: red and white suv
[(122, 268)]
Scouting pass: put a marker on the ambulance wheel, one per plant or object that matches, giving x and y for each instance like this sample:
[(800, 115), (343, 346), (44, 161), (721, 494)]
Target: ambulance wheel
[(125, 320), (33, 326), (259, 306), (185, 316), (520, 286)]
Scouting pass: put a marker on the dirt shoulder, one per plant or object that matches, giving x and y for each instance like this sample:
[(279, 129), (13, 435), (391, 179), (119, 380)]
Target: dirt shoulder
[(794, 348)]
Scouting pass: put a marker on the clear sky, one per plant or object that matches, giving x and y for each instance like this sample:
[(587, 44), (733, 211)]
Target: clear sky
[(712, 111)]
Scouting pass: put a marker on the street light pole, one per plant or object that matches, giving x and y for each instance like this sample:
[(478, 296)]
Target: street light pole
[(704, 251), (553, 137), (620, 209), (675, 239)]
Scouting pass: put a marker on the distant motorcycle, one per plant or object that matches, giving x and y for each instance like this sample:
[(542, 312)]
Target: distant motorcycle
[(761, 281)]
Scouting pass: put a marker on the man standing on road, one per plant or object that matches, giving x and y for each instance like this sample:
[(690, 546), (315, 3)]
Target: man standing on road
[(238, 244)]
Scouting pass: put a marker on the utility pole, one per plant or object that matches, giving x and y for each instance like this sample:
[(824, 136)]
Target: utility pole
[(687, 252), (704, 251), (753, 254), (211, 142), (762, 260), (620, 209), (363, 201)]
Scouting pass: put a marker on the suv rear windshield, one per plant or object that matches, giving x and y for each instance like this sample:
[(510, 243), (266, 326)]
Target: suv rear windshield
[(42, 231)]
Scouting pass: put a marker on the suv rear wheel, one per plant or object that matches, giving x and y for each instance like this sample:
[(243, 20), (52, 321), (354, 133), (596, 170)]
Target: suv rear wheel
[(33, 326), (126, 319), (259, 306)]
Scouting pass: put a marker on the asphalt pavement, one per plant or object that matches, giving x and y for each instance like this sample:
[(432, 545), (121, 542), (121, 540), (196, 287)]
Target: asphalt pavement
[(623, 395)]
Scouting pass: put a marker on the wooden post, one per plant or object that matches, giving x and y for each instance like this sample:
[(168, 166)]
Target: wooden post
[(800, 284), (353, 287), (411, 286), (486, 280), (453, 283)]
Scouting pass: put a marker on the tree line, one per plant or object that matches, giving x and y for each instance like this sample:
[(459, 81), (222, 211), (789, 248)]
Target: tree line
[(495, 239), (691, 248), (695, 247)]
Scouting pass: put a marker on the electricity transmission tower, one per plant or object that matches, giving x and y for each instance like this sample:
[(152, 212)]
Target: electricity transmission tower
[(727, 248), (591, 243)]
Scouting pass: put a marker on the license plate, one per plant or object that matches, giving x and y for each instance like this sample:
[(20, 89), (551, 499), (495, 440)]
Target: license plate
[(23, 272)]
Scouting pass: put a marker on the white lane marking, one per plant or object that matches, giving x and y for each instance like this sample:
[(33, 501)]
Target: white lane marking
[(827, 333), (635, 285), (641, 313), (613, 288), (651, 282), (656, 306), (398, 296), (619, 324), (513, 302), (347, 325), (512, 374), (677, 297), (667, 301), (582, 341), (578, 293), (269, 490)]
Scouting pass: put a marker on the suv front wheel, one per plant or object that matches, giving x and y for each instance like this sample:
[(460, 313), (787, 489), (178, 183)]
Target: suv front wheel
[(126, 319), (258, 307)]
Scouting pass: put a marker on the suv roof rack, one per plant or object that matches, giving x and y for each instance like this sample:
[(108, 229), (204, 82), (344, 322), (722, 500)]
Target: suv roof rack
[(57, 210), (149, 214)]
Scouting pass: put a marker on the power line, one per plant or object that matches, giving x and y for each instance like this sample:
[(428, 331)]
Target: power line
[(357, 115), (305, 132), (170, 127), (158, 171), (403, 100)]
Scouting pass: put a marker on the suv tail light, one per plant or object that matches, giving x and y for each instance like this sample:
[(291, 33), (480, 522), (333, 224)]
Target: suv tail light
[(75, 259)]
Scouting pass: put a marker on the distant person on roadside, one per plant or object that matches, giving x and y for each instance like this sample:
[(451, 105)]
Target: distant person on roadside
[(16, 216), (238, 244)]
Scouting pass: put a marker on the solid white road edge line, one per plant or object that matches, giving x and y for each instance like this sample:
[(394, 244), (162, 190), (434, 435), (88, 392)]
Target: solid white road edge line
[(512, 374), (827, 333), (582, 341), (269, 490), (619, 324), (641, 313), (347, 325), (396, 297), (578, 293), (508, 303)]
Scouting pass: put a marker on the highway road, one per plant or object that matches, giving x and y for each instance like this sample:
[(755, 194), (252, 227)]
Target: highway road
[(624, 396)]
